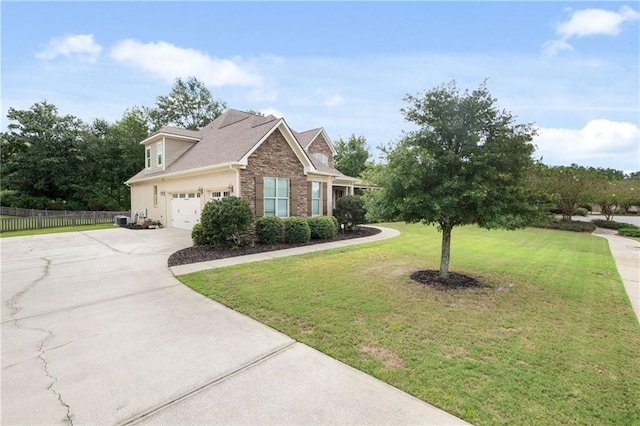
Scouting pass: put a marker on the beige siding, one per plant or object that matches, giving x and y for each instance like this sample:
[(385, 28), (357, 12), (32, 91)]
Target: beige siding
[(174, 149), (154, 158), (142, 193)]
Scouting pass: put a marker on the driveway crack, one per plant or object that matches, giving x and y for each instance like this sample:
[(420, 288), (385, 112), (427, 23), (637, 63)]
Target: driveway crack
[(53, 378), (106, 245), (12, 304)]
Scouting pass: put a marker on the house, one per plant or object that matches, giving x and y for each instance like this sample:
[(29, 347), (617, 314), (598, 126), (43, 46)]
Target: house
[(279, 171)]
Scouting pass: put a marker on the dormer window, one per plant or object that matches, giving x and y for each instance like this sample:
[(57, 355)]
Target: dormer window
[(159, 153), (322, 157)]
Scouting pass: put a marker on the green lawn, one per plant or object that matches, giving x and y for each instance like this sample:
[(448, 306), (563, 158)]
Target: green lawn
[(56, 230), (550, 339)]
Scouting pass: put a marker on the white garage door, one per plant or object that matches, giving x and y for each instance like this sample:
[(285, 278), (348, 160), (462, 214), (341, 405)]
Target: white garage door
[(185, 210)]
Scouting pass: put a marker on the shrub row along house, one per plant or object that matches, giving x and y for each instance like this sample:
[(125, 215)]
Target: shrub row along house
[(279, 171)]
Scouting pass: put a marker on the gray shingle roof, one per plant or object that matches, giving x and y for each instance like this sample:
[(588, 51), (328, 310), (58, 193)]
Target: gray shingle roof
[(305, 138), (228, 139), (180, 132)]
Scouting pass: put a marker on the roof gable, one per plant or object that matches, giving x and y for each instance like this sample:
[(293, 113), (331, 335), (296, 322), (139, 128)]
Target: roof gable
[(291, 140), (231, 139)]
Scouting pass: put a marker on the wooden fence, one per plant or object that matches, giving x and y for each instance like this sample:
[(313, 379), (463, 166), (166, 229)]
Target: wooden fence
[(42, 221), (14, 211)]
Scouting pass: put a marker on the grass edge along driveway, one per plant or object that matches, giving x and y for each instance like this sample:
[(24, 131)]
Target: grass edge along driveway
[(550, 339)]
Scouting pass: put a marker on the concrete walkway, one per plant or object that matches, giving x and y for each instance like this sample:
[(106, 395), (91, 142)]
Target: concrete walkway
[(626, 253)]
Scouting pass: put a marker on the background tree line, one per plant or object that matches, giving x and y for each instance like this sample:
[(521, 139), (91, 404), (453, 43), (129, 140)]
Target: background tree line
[(51, 161)]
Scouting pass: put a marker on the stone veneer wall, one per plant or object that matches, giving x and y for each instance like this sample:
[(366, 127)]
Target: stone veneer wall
[(274, 158), (320, 145)]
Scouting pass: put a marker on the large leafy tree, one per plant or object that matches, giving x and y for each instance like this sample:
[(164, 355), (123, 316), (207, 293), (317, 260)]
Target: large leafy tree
[(189, 105), (570, 186), (44, 157), (351, 155), (468, 163), (114, 154)]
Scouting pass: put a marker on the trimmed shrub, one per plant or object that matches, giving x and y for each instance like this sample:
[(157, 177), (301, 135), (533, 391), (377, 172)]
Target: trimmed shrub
[(297, 230), (350, 211), (587, 207), (581, 211), (197, 235), (335, 223), (633, 231), (322, 227), (564, 225), (225, 220), (269, 229), (609, 224)]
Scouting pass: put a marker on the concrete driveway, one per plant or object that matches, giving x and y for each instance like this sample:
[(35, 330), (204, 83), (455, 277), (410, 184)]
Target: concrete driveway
[(96, 330)]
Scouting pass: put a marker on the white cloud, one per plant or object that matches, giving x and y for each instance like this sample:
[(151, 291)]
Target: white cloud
[(80, 46), (597, 143), (170, 62), (596, 22), (589, 22), (334, 101), (272, 111), (553, 47)]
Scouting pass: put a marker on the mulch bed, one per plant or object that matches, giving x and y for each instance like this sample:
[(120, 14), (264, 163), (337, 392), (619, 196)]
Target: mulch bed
[(455, 281), (205, 253)]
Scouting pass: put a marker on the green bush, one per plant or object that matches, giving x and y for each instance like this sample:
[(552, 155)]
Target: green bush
[(609, 224), (350, 211), (335, 223), (197, 235), (587, 207), (225, 220), (564, 225), (581, 211), (269, 230), (297, 230), (323, 227), (633, 231)]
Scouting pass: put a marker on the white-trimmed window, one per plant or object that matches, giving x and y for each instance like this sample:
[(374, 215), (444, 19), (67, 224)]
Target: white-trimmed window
[(322, 157), (219, 195), (315, 198), (159, 151), (155, 195), (148, 157), (276, 197)]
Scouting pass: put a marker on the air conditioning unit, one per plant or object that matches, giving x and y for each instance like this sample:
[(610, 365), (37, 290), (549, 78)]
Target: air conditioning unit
[(121, 220)]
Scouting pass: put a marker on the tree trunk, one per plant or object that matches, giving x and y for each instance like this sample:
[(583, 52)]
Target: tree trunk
[(446, 251)]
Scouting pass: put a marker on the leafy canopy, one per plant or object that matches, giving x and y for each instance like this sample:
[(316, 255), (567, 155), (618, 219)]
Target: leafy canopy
[(467, 163), (351, 155), (189, 105)]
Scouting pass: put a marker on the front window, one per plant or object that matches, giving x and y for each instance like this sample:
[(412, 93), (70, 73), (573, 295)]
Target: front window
[(315, 198), (159, 153), (276, 197), (155, 195), (148, 157)]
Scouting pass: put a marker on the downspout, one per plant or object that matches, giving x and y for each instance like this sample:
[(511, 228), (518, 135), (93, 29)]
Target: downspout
[(236, 185)]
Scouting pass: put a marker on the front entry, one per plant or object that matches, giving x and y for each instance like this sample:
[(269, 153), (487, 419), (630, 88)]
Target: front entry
[(185, 210)]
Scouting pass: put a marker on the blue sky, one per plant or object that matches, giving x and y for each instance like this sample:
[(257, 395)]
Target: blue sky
[(572, 68)]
